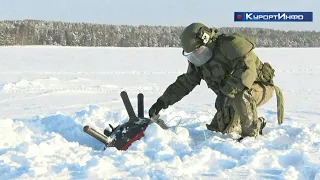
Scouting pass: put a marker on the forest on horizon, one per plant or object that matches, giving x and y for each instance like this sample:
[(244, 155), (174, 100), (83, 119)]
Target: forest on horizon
[(39, 32)]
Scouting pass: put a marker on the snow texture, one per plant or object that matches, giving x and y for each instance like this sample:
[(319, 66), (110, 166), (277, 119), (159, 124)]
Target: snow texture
[(49, 93)]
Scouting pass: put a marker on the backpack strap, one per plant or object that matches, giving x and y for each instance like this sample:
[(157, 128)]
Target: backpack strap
[(280, 108)]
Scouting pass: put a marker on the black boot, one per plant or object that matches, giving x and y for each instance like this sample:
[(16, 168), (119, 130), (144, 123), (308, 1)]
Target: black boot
[(263, 124)]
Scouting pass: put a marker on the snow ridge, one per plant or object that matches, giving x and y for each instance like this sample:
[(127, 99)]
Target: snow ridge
[(56, 147)]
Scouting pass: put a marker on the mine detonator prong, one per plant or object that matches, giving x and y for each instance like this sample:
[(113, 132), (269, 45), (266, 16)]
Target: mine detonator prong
[(140, 106), (128, 106)]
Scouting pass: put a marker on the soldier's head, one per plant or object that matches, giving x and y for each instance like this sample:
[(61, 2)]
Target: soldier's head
[(194, 40)]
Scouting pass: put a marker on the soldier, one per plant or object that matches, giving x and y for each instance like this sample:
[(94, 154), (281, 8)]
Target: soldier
[(231, 69)]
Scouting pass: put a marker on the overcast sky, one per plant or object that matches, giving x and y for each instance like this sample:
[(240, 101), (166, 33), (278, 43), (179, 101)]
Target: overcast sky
[(160, 12)]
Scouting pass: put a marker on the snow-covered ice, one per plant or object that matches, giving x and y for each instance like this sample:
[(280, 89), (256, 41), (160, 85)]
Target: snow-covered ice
[(47, 95)]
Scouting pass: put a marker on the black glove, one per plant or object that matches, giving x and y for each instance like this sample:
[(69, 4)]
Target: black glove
[(156, 107), (220, 102)]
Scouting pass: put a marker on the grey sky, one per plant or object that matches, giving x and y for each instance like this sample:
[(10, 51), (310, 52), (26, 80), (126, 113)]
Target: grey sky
[(158, 12)]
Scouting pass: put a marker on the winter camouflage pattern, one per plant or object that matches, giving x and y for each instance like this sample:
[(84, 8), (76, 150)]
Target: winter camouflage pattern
[(234, 71)]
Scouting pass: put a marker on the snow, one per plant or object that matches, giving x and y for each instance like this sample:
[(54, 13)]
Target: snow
[(49, 93)]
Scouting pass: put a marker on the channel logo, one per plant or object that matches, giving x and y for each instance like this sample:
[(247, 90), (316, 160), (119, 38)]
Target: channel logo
[(274, 16)]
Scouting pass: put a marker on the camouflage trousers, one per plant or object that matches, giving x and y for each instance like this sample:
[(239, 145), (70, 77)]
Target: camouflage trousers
[(239, 115)]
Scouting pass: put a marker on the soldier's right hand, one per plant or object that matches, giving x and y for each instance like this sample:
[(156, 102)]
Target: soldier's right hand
[(156, 108)]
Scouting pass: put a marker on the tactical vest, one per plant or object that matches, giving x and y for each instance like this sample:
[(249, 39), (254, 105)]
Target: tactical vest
[(265, 72), (217, 69)]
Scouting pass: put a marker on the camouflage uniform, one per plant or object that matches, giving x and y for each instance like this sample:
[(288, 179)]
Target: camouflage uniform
[(235, 73)]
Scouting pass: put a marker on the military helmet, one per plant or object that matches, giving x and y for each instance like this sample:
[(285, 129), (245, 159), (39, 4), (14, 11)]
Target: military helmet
[(195, 35)]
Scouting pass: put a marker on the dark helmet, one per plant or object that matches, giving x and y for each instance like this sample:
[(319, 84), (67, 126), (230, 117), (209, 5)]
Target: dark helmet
[(195, 35)]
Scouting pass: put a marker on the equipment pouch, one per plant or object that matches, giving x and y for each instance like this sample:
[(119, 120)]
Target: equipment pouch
[(266, 73)]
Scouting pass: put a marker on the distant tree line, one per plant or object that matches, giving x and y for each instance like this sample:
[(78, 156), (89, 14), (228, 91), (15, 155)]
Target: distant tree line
[(38, 32)]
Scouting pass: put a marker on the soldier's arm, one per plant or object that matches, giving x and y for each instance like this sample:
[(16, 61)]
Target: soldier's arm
[(183, 85)]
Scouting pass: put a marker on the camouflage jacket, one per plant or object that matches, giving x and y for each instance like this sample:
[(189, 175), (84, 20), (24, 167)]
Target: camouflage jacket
[(232, 68)]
